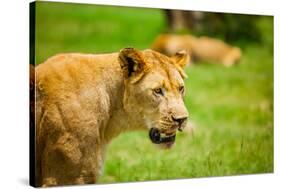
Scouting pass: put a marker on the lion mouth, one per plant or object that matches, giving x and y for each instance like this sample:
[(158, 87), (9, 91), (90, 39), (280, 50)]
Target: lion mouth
[(158, 137)]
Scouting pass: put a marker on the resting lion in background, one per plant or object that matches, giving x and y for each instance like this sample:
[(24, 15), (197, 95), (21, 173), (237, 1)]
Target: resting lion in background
[(83, 101), (202, 48)]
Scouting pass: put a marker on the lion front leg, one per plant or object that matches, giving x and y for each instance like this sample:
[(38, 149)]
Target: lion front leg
[(72, 150), (70, 162), (61, 162), (49, 181), (92, 164), (86, 177)]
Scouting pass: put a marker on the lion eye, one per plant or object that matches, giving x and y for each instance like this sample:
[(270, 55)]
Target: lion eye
[(181, 89), (158, 91)]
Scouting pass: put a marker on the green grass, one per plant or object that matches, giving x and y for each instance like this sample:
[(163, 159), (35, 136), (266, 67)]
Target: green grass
[(231, 108)]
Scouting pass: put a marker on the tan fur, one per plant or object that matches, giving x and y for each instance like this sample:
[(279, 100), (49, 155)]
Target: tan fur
[(202, 48), (85, 100)]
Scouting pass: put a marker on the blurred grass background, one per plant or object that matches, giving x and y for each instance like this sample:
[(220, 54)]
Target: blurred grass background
[(231, 108)]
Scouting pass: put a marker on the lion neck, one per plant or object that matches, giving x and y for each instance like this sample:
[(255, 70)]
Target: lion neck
[(120, 120)]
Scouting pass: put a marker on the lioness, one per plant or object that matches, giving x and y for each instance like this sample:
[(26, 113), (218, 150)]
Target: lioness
[(201, 48), (85, 100)]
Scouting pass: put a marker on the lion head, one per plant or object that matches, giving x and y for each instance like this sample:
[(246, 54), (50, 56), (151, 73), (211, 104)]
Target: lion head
[(154, 92)]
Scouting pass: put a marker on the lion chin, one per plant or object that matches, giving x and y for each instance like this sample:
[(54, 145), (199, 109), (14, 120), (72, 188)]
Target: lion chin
[(165, 146)]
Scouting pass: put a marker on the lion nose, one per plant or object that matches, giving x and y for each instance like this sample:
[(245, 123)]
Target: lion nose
[(179, 120)]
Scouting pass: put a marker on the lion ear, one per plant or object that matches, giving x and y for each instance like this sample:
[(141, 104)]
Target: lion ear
[(132, 64), (181, 58)]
